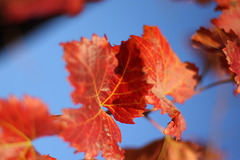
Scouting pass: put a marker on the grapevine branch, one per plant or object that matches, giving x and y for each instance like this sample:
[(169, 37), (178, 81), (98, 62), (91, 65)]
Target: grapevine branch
[(158, 126), (214, 84)]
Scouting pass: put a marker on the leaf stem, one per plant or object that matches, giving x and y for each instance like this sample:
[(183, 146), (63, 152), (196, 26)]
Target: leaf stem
[(213, 84), (158, 126)]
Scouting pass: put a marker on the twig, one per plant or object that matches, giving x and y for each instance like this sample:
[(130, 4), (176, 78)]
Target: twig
[(213, 84), (158, 126), (149, 111)]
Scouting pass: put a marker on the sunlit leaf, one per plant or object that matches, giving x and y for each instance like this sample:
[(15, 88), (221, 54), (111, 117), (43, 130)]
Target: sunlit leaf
[(90, 130), (115, 81), (168, 75), (210, 43), (232, 52), (103, 76), (21, 122), (229, 20)]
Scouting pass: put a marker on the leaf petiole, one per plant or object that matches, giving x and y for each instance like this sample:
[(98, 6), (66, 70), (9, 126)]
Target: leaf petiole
[(158, 126)]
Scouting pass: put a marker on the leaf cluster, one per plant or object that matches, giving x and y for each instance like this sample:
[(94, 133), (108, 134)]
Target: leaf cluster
[(118, 82)]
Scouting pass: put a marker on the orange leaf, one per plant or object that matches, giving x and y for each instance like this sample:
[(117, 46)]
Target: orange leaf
[(212, 42), (103, 77), (229, 20), (90, 130), (115, 81), (207, 38), (168, 75), (21, 122), (149, 152), (169, 149), (232, 52), (172, 150)]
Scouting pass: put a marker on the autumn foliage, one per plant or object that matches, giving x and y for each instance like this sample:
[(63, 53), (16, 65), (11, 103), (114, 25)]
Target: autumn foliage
[(123, 80), (19, 11), (117, 83), (222, 41), (21, 122), (169, 149)]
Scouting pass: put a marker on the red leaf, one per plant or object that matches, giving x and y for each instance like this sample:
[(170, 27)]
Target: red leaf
[(107, 77), (229, 20), (168, 75), (91, 65), (212, 42), (17, 11), (232, 52), (127, 101), (89, 129), (21, 122), (97, 76)]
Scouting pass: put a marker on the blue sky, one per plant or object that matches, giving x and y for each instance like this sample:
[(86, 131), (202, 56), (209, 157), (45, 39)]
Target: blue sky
[(33, 65)]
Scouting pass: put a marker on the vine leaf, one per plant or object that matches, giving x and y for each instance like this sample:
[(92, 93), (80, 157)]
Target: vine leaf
[(207, 39), (222, 42), (150, 151), (232, 52), (114, 81), (169, 149), (229, 20), (21, 122), (89, 129), (102, 78), (211, 42), (172, 150), (168, 75)]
